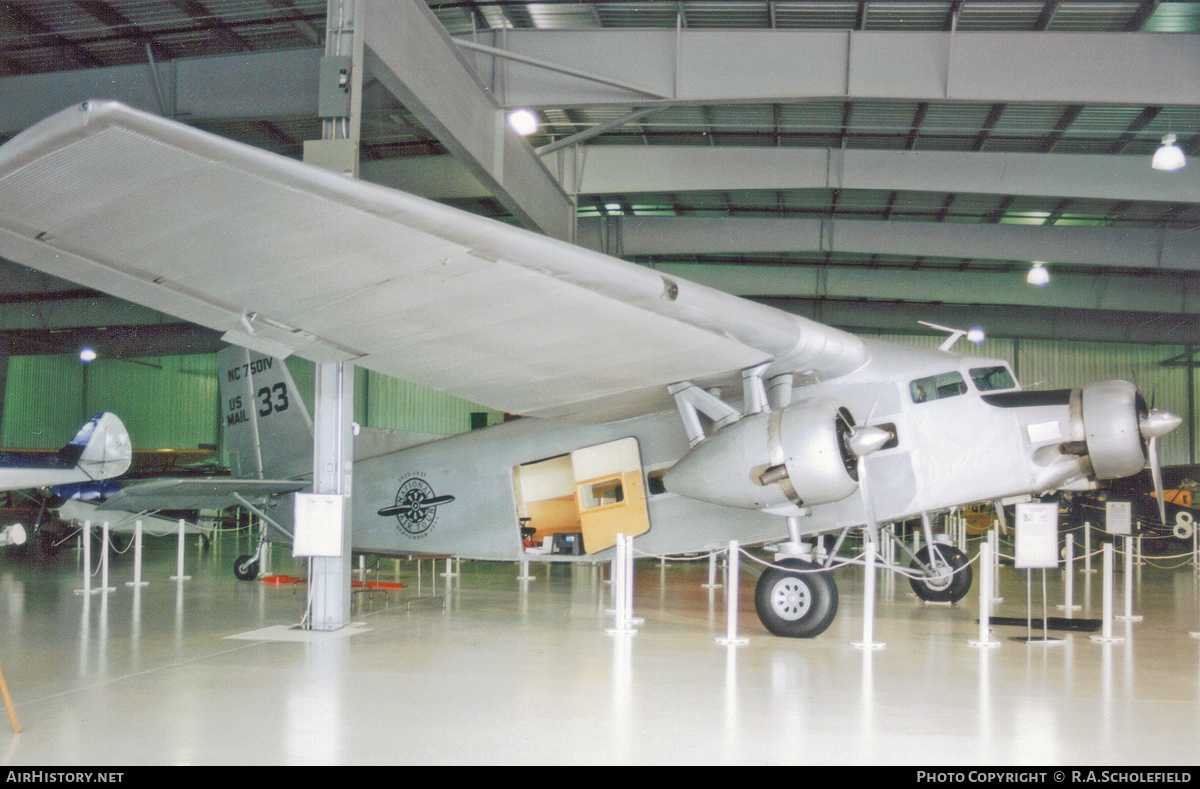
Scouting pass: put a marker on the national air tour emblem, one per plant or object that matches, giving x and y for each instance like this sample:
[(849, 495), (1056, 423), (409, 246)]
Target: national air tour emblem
[(416, 506)]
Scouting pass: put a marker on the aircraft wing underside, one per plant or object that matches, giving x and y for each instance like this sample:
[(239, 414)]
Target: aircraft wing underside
[(285, 257)]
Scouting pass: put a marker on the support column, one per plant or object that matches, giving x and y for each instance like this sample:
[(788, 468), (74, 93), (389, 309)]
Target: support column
[(333, 460), (340, 100)]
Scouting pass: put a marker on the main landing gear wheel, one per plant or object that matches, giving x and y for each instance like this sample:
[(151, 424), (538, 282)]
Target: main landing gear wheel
[(943, 588), (245, 569), (796, 604)]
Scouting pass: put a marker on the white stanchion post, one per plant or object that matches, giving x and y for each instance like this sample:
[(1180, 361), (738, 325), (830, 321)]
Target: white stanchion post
[(1106, 634), (712, 573), (1087, 547), (994, 547), (104, 559), (985, 604), (1069, 577), (868, 639), (137, 555), (731, 638), (86, 540), (179, 576), (1129, 616), (618, 578), (450, 570), (631, 621), (621, 626)]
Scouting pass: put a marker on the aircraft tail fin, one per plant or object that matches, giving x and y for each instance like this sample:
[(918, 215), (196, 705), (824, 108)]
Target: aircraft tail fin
[(268, 430), (101, 449)]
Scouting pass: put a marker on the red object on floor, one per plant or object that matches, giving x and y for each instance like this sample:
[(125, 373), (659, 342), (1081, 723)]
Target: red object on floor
[(287, 579)]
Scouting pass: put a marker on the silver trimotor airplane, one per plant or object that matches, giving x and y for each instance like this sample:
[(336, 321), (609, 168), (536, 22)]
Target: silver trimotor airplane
[(100, 450), (666, 410)]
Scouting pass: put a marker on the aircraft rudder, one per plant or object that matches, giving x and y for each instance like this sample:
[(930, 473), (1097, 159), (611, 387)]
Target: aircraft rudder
[(268, 431), (104, 446)]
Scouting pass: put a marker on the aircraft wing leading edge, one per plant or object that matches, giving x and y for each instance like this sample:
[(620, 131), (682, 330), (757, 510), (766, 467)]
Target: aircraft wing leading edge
[(285, 257)]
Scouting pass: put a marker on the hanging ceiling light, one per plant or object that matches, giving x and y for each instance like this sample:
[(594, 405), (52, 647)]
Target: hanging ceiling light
[(1038, 275), (976, 335), (87, 355), (523, 122), (1169, 157)]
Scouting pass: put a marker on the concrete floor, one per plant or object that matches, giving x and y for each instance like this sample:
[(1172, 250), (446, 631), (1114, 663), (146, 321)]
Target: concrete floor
[(499, 671)]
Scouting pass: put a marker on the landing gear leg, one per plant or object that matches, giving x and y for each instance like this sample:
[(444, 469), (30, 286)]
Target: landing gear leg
[(246, 566), (947, 574)]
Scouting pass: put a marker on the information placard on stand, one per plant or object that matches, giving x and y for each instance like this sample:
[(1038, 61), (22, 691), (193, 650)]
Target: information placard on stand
[(1037, 536), (1118, 517), (1036, 549)]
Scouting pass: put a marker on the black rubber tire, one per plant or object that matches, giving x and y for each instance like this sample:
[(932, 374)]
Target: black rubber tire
[(796, 605), (948, 591), (251, 571)]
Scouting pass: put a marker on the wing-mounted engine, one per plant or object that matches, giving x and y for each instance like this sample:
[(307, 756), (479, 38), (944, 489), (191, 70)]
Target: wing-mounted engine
[(776, 459)]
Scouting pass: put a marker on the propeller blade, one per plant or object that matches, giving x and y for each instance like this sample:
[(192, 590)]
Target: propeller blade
[(1156, 475), (864, 490)]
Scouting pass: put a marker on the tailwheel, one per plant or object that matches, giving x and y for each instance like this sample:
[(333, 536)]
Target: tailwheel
[(796, 604), (948, 583), (246, 567)]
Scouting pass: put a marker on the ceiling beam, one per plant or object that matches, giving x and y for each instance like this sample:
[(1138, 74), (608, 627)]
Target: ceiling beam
[(1036, 323), (16, 18), (1100, 247), (119, 342), (106, 14), (766, 65), (411, 54), (1003, 286), (663, 168), (253, 85), (1141, 69)]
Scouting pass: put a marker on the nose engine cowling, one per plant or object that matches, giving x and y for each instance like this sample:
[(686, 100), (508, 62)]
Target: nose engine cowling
[(1119, 428), (793, 456), (1111, 412)]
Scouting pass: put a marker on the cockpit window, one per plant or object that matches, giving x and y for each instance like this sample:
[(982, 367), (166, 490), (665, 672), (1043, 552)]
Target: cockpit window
[(935, 387), (989, 379)]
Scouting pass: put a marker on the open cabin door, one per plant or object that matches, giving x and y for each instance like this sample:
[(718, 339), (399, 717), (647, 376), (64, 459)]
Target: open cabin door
[(579, 502), (610, 493)]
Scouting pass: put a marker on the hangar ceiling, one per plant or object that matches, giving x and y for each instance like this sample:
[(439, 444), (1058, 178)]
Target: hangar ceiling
[(868, 163)]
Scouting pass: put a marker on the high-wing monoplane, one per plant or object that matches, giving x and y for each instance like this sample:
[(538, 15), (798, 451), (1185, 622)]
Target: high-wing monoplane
[(664, 409)]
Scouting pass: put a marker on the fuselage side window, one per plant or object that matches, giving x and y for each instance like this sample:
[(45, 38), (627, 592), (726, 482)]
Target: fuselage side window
[(937, 387), (990, 379)]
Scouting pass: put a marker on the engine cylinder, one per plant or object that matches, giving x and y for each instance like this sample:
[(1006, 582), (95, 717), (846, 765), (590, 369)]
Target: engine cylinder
[(793, 456)]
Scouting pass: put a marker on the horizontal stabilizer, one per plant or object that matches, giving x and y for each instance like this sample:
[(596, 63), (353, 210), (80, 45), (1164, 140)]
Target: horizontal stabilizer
[(197, 494), (79, 512)]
